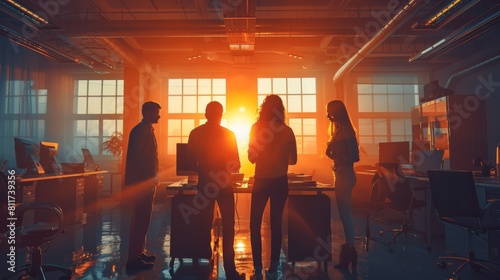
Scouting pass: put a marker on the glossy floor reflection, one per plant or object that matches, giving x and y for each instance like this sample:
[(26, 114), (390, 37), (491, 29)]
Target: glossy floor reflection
[(97, 249)]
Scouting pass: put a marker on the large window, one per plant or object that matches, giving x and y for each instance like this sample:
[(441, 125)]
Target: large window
[(187, 99), (384, 104), (22, 115), (299, 98), (98, 110)]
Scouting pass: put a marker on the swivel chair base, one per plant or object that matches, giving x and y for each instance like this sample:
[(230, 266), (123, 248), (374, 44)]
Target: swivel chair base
[(471, 260)]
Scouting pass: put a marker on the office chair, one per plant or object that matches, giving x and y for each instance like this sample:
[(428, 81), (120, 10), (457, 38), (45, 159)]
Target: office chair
[(33, 237), (391, 190), (455, 200)]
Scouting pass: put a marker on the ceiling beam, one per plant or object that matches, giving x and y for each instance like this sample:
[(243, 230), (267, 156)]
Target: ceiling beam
[(204, 28)]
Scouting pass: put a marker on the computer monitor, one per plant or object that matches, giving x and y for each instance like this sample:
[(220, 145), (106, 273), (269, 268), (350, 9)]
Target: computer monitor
[(24, 149), (394, 152), (89, 163), (418, 146), (183, 166), (48, 157)]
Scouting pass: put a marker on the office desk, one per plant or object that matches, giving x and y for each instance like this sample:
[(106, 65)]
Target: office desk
[(65, 190), (182, 186), (308, 211)]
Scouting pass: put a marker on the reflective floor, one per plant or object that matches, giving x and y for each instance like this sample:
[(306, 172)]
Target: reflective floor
[(96, 249)]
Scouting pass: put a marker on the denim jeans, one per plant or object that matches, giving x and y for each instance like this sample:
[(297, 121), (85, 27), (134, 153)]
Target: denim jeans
[(345, 179), (275, 190)]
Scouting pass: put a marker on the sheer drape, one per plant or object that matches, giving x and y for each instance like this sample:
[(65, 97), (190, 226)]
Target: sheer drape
[(23, 98)]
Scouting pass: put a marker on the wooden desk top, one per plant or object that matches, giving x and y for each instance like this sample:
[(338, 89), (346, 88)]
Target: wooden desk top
[(43, 177), (182, 185)]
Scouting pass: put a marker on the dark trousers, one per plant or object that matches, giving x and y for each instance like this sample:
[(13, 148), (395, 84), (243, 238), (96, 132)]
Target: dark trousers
[(225, 201), (275, 190), (140, 220)]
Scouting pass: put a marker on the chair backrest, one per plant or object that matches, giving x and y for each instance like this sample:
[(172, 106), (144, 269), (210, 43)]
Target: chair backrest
[(454, 193), (393, 188), (40, 232)]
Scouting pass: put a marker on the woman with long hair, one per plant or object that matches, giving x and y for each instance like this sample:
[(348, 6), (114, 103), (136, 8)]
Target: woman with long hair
[(272, 147), (342, 148)]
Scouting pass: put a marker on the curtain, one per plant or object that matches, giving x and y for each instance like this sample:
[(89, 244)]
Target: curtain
[(23, 98)]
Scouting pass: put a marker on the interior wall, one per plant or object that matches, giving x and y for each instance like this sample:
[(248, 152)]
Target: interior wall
[(484, 85)]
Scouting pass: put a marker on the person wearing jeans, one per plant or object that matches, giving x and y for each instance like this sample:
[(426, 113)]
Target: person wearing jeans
[(272, 147), (343, 149)]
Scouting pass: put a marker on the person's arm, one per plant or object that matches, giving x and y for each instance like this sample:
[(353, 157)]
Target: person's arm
[(253, 152), (292, 158), (330, 149), (191, 152), (234, 165), (135, 149)]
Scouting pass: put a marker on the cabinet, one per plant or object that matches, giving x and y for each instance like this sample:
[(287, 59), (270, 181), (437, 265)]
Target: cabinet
[(309, 230), (455, 124), (93, 193), (67, 193)]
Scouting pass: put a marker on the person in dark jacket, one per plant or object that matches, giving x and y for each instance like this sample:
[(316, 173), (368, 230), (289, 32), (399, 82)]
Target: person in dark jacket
[(141, 179), (214, 153), (342, 148)]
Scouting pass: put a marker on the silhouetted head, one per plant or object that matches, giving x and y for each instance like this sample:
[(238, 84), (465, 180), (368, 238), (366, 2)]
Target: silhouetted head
[(213, 111), (272, 109), (151, 111), (337, 112)]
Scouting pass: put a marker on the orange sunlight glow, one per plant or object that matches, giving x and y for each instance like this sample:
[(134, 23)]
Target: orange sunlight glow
[(239, 247), (241, 129), (240, 123)]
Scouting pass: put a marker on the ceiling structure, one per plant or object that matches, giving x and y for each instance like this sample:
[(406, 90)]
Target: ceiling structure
[(105, 35)]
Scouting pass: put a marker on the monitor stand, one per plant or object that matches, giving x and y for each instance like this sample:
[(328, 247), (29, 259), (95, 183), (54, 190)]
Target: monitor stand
[(37, 167)]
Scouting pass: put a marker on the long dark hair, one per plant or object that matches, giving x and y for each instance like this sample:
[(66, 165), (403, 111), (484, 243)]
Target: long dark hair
[(337, 114), (272, 109)]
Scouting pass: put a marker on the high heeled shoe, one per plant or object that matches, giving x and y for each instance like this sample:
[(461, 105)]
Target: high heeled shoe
[(348, 255), (342, 251)]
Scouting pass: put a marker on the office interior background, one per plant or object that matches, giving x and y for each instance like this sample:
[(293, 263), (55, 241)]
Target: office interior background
[(75, 72)]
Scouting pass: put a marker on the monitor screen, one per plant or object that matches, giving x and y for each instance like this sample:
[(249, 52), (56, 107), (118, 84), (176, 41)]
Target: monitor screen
[(183, 166), (394, 152), (89, 162), (48, 157), (24, 149), (418, 146)]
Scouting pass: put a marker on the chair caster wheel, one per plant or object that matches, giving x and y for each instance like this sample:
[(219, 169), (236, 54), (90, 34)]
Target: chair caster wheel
[(441, 264)]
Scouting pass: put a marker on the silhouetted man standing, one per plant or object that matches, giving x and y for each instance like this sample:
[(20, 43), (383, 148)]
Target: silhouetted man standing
[(213, 148), (141, 179)]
